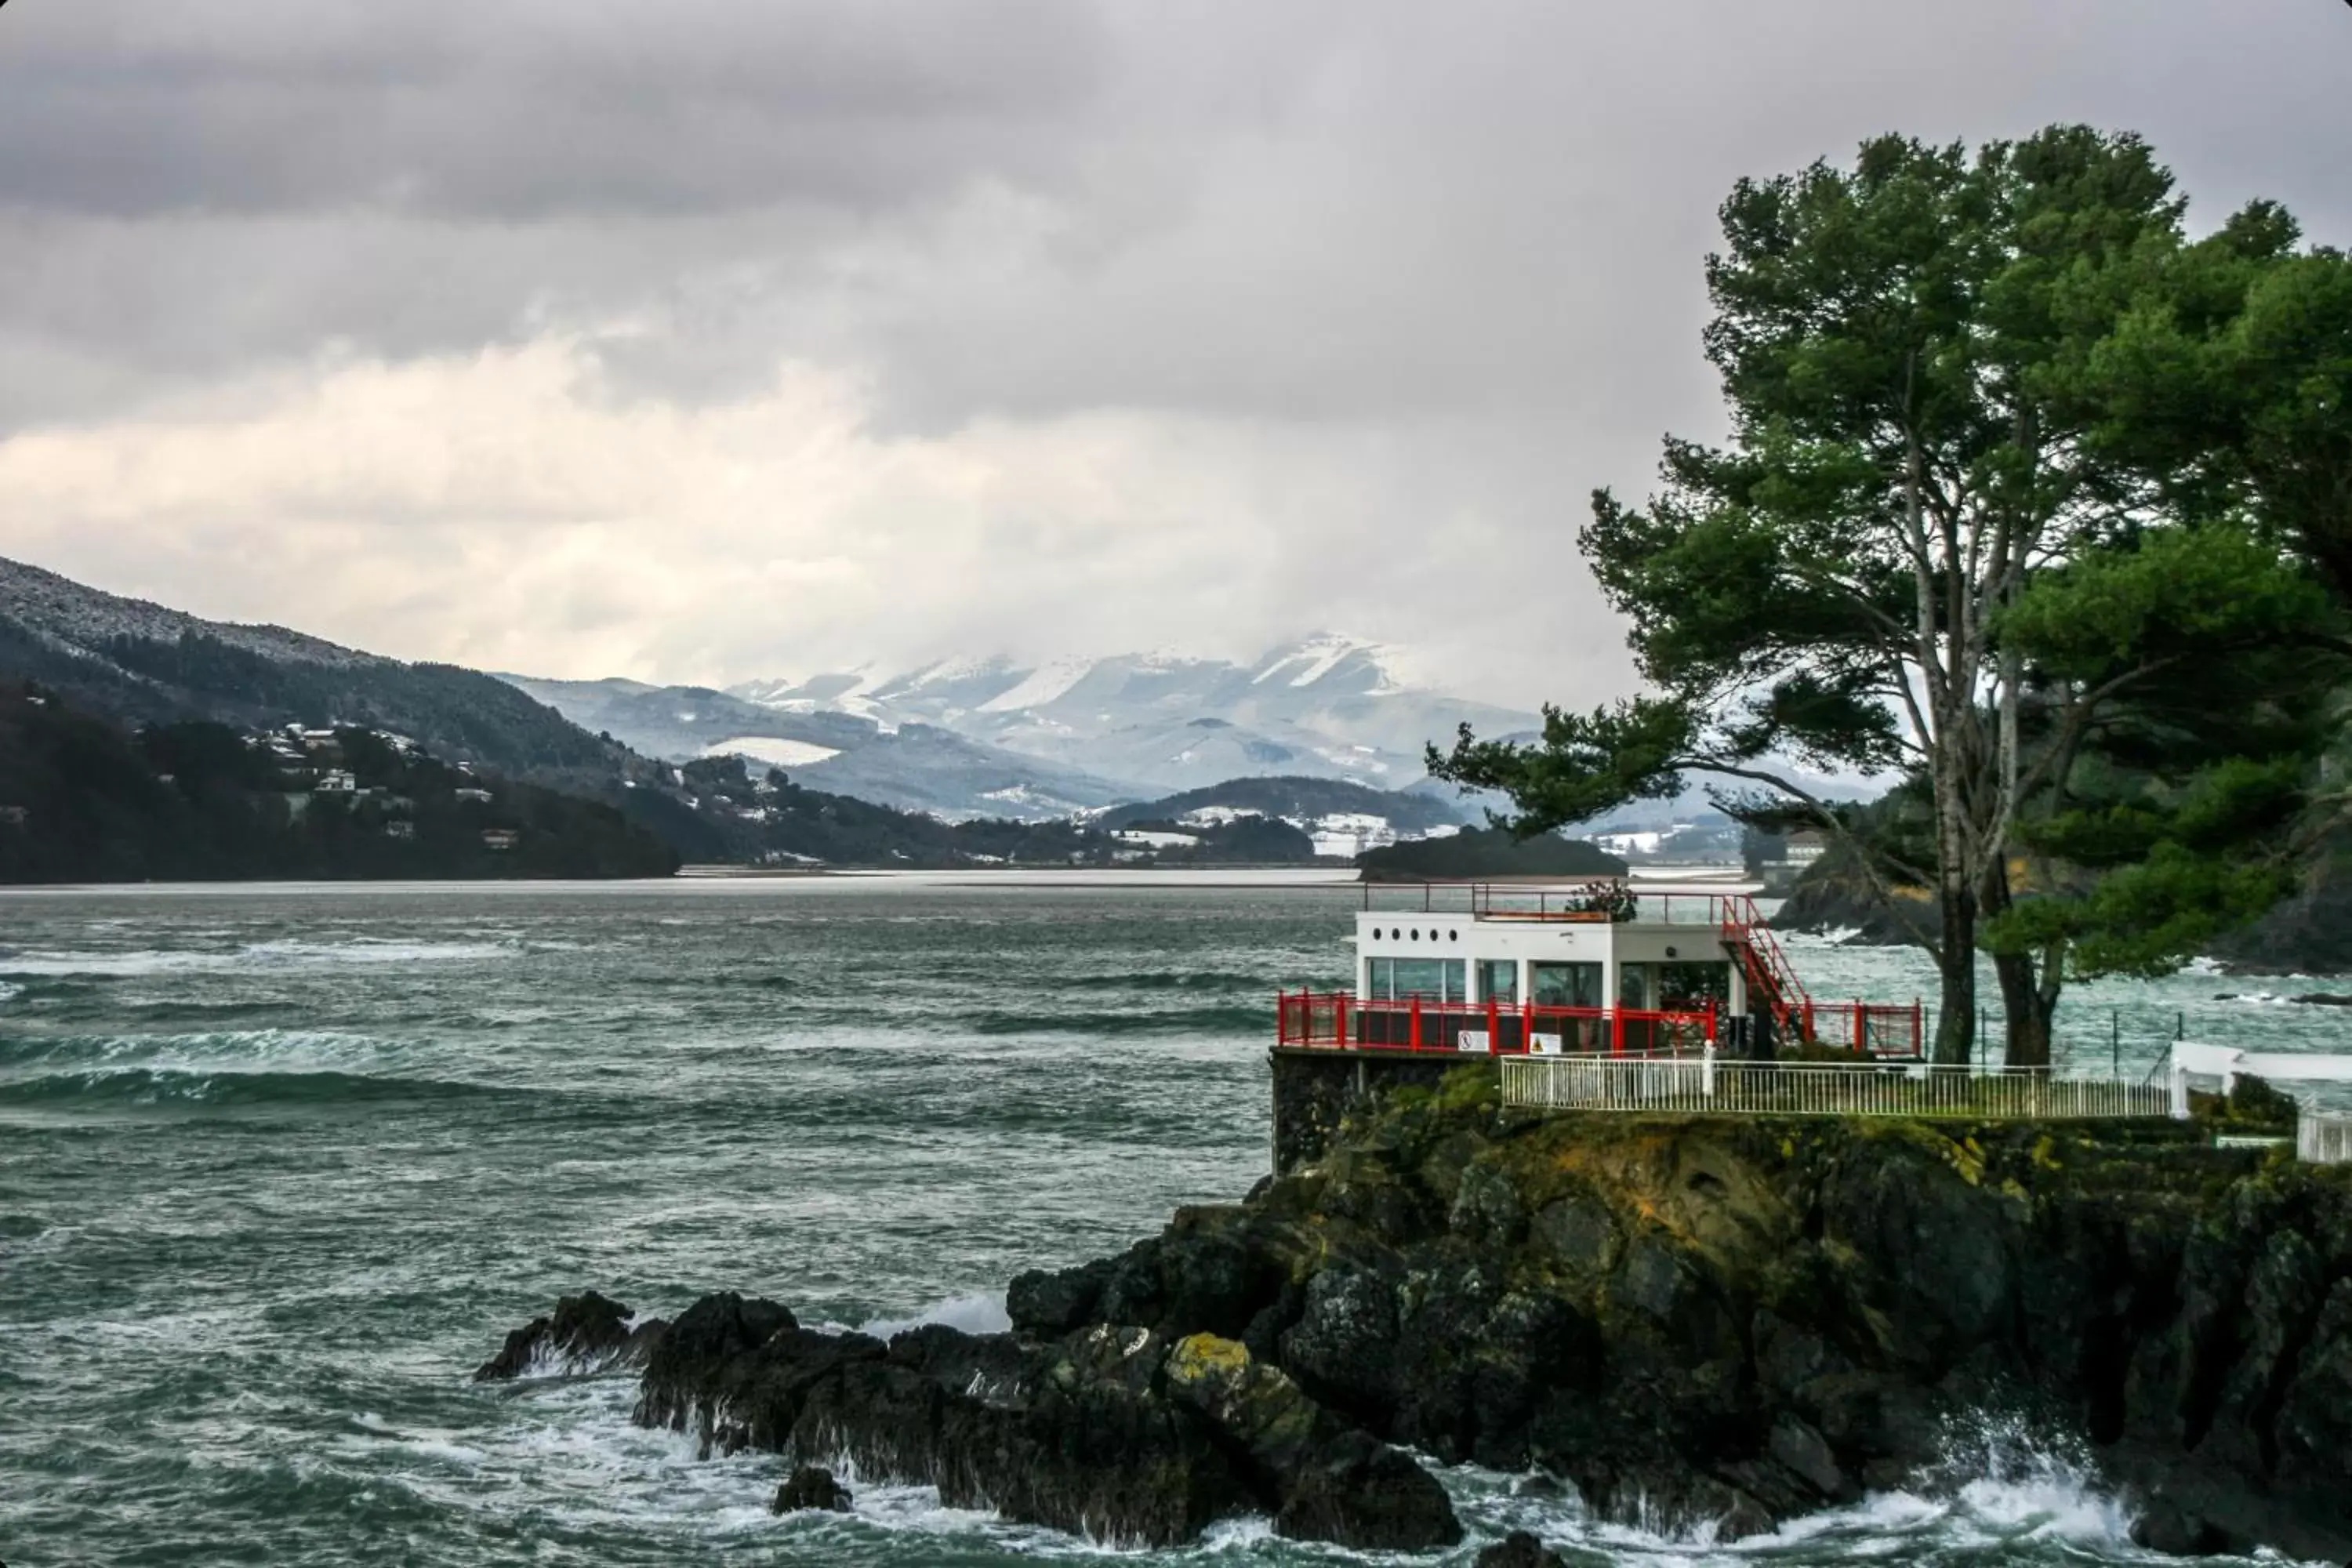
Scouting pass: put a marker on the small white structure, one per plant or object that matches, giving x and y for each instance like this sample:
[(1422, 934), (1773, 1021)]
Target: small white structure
[(1552, 968), (1561, 957), (2228, 1064)]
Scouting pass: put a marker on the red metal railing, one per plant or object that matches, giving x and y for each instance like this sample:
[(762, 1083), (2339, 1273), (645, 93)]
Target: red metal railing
[(1866, 1028), (1337, 1019)]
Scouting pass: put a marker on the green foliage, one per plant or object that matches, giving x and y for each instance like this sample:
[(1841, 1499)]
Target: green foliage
[(1585, 764), (2011, 466)]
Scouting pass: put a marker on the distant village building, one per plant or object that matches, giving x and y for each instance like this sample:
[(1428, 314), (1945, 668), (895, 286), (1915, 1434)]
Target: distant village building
[(400, 830), (500, 837), (479, 796), (1804, 849), (1344, 835), (13, 816), (335, 780)]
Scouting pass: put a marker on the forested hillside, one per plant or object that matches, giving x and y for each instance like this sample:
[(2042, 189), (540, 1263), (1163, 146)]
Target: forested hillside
[(84, 800)]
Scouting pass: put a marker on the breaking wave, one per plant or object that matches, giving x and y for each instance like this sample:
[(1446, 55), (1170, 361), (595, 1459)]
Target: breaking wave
[(981, 1312), (259, 954), (161, 1087), (1171, 1021), (272, 1050), (2004, 1492)]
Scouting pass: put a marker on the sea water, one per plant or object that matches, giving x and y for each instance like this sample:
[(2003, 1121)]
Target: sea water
[(280, 1166)]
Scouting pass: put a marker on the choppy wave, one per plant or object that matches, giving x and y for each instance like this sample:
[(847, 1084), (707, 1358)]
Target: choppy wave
[(1167, 1021), (275, 1050), (1168, 980), (162, 1087), (287, 953)]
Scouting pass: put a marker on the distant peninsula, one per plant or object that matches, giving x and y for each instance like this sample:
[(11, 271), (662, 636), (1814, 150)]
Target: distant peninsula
[(1478, 852)]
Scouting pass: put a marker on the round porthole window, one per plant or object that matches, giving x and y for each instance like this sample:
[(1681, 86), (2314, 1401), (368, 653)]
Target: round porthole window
[(1453, 936), (1669, 952), (1417, 933), (1376, 933)]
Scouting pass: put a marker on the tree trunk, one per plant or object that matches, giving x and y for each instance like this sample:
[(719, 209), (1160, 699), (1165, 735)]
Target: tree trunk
[(2027, 1007), (2030, 986), (1956, 962)]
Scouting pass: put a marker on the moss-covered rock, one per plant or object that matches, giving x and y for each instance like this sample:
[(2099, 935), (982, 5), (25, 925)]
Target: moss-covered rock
[(1735, 1320)]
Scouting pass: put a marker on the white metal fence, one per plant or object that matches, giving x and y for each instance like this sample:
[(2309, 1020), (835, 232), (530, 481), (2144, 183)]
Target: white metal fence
[(1704, 1084), (2322, 1137)]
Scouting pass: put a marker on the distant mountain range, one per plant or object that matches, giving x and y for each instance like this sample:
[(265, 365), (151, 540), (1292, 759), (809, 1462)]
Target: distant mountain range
[(863, 790), (968, 741), (994, 736)]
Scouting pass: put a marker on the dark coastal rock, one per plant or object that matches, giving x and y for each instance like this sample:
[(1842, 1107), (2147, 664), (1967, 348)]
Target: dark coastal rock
[(1043, 1302), (585, 1333), (2310, 933), (1711, 1322), (1328, 1480), (1520, 1550), (1111, 1430), (1828, 897), (812, 1488), (1701, 1323)]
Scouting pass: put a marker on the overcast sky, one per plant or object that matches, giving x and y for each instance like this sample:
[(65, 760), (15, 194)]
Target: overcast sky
[(722, 339)]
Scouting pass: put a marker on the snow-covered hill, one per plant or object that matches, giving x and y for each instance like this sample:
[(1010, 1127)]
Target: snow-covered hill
[(1324, 707), (903, 762)]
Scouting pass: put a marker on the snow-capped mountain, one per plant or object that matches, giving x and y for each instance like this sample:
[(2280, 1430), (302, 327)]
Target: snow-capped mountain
[(847, 748), (1325, 707)]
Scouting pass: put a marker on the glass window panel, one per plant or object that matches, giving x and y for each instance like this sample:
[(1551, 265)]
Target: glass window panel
[(1384, 979), (1691, 986), (1634, 988), (1422, 977), (1564, 984), (1456, 978), (1499, 980)]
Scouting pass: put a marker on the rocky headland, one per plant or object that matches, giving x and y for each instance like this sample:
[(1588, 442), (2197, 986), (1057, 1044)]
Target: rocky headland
[(2308, 933), (1697, 1322)]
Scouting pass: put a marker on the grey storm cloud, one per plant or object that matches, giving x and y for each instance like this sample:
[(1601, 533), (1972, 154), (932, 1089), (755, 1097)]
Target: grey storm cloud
[(1436, 268), (1308, 209)]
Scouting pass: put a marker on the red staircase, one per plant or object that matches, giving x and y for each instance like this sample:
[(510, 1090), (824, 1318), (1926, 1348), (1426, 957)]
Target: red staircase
[(1871, 1029), (1772, 984)]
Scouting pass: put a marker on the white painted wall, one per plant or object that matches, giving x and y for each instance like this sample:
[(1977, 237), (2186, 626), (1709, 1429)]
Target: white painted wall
[(1383, 933)]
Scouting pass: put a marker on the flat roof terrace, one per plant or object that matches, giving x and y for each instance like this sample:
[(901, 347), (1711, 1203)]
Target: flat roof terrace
[(1586, 901)]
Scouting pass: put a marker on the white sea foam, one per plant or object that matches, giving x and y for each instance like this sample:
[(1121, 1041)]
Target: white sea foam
[(288, 954), (213, 1051), (981, 1312), (2000, 1485)]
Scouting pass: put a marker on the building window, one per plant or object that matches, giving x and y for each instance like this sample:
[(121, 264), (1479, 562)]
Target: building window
[(1499, 980), (1635, 988), (1565, 984), (1689, 987), (1430, 979)]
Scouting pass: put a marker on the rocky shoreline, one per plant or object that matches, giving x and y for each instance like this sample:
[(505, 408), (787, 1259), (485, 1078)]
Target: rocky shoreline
[(1696, 1322), (2310, 933)]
